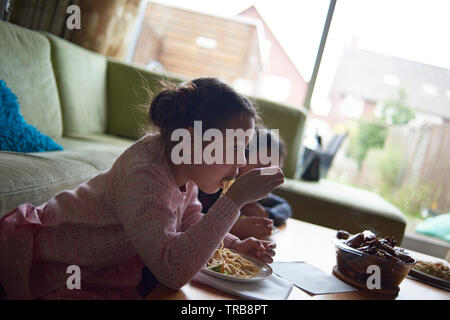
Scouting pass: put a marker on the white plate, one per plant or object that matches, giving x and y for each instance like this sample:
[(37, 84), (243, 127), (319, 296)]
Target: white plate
[(265, 271)]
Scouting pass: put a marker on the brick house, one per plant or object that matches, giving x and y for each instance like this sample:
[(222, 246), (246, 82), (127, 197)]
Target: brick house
[(281, 81), (365, 79)]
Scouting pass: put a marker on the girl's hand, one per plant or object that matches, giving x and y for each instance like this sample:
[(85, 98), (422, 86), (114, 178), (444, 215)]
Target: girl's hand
[(261, 249), (253, 186), (257, 227)]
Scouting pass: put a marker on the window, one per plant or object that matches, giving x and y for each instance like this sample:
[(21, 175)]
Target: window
[(394, 84), (206, 43), (313, 127), (321, 106), (391, 80), (260, 47), (378, 111), (429, 89), (352, 107), (276, 88), (244, 86)]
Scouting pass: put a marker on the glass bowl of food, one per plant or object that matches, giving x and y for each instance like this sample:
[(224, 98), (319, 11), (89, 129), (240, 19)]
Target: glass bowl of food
[(357, 255)]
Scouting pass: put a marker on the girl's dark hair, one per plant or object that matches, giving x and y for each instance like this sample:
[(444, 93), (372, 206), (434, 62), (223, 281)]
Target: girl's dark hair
[(204, 99)]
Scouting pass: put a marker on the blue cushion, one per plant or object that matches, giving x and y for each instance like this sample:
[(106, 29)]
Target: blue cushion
[(438, 227), (15, 134)]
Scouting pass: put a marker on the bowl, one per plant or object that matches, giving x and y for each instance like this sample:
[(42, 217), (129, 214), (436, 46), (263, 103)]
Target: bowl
[(354, 264)]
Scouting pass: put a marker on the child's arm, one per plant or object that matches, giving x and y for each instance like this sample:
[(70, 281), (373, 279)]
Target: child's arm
[(174, 257), (193, 214), (279, 209), (248, 226)]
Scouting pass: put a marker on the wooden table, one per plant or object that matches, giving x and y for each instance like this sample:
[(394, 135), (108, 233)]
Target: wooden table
[(301, 241)]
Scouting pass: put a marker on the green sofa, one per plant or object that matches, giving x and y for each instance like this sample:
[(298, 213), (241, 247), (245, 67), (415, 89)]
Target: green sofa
[(88, 103)]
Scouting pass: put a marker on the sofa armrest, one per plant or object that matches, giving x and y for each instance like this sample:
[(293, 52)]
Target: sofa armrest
[(338, 206)]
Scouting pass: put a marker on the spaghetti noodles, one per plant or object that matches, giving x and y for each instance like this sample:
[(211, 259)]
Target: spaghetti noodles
[(230, 263), (226, 185)]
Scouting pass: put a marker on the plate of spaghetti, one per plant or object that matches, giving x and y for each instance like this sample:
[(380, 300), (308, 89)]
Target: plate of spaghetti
[(230, 265)]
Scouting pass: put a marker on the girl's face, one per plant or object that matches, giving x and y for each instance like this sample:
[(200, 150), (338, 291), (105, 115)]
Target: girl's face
[(209, 177)]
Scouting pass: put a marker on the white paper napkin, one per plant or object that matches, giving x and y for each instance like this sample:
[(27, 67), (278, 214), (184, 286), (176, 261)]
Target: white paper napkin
[(272, 288)]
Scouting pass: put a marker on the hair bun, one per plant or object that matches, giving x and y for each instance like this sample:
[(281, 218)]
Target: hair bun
[(204, 99), (169, 109), (163, 108)]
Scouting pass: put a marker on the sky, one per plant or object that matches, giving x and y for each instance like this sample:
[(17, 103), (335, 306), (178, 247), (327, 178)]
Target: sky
[(417, 30)]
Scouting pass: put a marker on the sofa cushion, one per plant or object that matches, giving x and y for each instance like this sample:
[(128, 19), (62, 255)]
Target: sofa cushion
[(27, 69), (81, 78), (126, 117), (36, 177), (338, 206)]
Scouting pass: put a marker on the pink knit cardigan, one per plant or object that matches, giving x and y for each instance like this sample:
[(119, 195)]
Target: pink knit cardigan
[(131, 215)]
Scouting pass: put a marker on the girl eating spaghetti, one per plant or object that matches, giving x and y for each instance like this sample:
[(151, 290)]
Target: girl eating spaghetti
[(257, 219), (143, 211)]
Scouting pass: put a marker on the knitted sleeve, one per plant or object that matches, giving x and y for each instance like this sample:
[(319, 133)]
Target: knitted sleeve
[(146, 212), (193, 214)]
